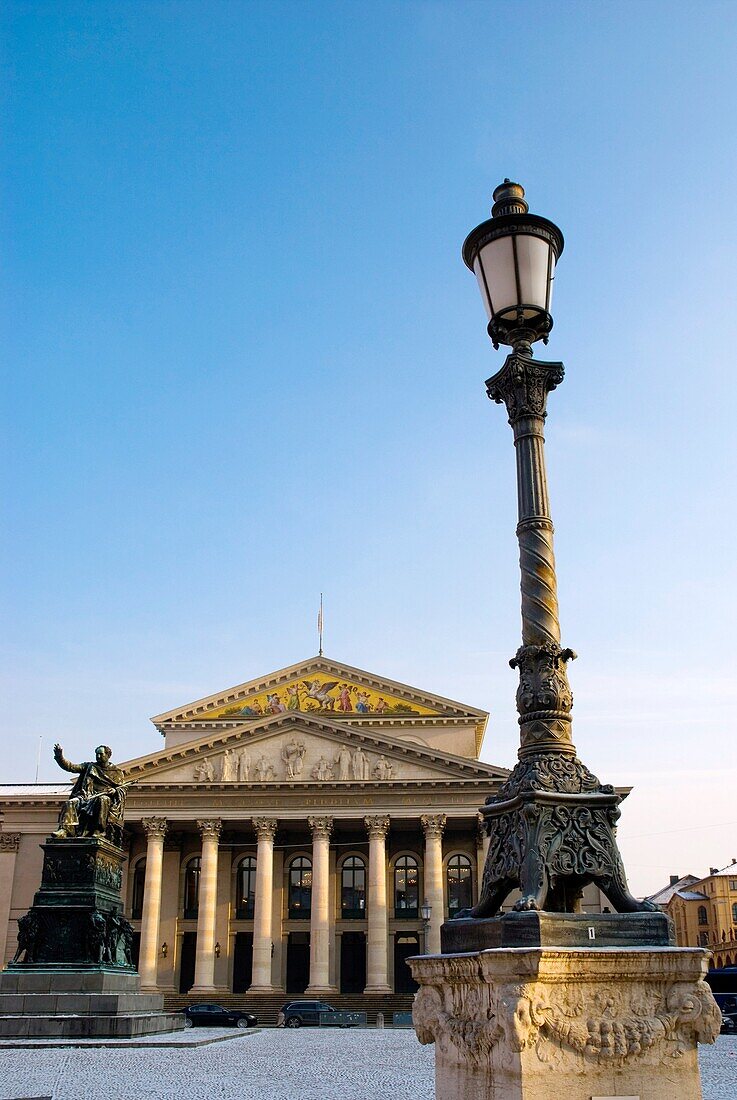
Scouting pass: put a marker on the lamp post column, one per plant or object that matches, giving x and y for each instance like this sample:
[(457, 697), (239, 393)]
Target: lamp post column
[(155, 829), (376, 946), (261, 972), (552, 823), (204, 971), (433, 826)]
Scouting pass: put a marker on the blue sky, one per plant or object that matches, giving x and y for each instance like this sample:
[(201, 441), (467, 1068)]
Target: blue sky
[(243, 363)]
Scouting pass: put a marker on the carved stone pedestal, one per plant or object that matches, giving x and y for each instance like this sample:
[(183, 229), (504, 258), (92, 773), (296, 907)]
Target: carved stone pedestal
[(543, 1023)]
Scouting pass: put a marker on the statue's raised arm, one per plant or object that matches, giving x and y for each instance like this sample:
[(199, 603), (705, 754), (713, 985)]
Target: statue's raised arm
[(97, 799), (63, 762)]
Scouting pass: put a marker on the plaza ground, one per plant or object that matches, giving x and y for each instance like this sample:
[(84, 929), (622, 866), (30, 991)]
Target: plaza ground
[(269, 1065)]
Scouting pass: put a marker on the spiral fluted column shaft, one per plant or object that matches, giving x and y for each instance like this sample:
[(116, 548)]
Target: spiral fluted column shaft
[(544, 698), (535, 535)]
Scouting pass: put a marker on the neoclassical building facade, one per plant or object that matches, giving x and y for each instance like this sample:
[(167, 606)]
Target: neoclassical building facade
[(286, 835)]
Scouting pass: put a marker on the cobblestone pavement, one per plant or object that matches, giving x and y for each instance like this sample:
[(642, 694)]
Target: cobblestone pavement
[(271, 1065)]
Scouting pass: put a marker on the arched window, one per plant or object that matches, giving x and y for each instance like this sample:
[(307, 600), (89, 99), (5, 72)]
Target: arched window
[(139, 883), (192, 888), (406, 887), (245, 888), (459, 884), (353, 889), (703, 939), (300, 888), (734, 913), (703, 918)]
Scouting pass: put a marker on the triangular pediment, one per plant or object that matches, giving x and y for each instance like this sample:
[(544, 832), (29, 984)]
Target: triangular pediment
[(319, 686), (294, 748)]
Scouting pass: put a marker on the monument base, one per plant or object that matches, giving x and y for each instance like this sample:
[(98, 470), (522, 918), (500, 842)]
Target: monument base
[(543, 1022), (90, 1003), (534, 929)]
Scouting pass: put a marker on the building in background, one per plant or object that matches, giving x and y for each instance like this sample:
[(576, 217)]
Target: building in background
[(704, 911), (285, 837)]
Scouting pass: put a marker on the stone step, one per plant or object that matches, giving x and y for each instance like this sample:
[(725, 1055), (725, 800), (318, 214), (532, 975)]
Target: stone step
[(123, 1026)]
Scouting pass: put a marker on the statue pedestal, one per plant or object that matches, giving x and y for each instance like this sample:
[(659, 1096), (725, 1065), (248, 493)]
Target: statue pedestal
[(542, 1022), (67, 1003), (77, 980)]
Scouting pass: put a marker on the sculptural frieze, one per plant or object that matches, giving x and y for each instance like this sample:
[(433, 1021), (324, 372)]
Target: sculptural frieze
[(293, 754), (264, 771), (97, 800), (323, 770), (383, 768)]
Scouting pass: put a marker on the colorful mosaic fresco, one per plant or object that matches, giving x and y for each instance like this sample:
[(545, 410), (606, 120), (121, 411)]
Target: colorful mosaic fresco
[(319, 694)]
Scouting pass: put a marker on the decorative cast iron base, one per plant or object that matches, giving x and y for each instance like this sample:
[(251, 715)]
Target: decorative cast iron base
[(72, 976), (590, 930), (553, 831), (77, 915)]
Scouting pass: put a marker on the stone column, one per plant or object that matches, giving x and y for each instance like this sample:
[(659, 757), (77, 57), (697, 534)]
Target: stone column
[(321, 908), (262, 931), (204, 970), (148, 958), (9, 843), (376, 940), (433, 826)]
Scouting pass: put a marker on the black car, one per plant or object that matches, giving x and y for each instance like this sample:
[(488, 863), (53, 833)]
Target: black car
[(217, 1016), (729, 1022), (302, 1013)]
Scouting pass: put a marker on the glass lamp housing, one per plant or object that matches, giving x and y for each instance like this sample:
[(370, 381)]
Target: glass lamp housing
[(513, 256)]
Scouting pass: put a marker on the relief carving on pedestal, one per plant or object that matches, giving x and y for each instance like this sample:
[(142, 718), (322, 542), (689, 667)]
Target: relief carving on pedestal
[(480, 1022)]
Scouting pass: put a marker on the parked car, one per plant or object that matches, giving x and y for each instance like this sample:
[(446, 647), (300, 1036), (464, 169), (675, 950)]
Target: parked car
[(302, 1013), (729, 1022), (217, 1016)]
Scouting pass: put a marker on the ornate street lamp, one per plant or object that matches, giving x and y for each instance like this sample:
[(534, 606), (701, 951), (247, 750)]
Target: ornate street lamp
[(552, 824)]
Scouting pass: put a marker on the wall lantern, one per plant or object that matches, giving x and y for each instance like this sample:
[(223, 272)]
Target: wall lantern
[(217, 950)]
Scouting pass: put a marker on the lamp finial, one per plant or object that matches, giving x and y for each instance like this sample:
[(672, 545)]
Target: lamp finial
[(509, 198)]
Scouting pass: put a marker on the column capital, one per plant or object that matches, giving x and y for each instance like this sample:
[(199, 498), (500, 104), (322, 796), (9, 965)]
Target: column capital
[(265, 827), (210, 828), (377, 825), (321, 827), (523, 385), (9, 842), (433, 825), (154, 826)]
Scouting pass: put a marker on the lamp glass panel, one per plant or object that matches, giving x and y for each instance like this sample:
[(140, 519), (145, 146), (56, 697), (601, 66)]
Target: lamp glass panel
[(497, 260), (482, 286), (532, 257)]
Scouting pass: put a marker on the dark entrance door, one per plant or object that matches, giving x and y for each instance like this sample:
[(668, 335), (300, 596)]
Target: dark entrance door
[(242, 961), (186, 969), (406, 944), (352, 962), (136, 948), (298, 962)]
